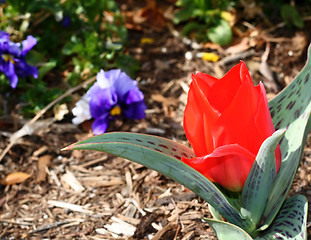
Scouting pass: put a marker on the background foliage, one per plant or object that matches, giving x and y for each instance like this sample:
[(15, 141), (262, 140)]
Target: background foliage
[(75, 39)]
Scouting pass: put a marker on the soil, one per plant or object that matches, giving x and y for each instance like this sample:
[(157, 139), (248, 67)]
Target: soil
[(92, 195)]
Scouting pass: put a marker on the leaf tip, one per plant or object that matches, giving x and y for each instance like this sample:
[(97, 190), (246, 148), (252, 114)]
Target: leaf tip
[(67, 148)]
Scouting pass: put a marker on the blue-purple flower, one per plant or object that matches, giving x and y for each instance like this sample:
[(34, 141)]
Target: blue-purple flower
[(13, 58), (113, 94), (66, 22)]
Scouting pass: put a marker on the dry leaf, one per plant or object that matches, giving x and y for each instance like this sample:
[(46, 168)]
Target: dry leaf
[(240, 47), (13, 178), (230, 17), (31, 128), (153, 15), (251, 9), (43, 163), (60, 111), (265, 70)]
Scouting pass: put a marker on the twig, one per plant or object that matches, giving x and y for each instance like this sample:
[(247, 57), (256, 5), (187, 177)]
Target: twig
[(15, 222), (69, 91), (47, 107), (232, 58), (282, 24), (53, 225), (70, 206)]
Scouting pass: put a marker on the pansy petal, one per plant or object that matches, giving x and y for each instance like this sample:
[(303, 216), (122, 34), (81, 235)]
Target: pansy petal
[(23, 69), (102, 81), (101, 100), (228, 166), (122, 83), (28, 44), (133, 95), (9, 71), (13, 49), (100, 125), (4, 36), (81, 111), (135, 110)]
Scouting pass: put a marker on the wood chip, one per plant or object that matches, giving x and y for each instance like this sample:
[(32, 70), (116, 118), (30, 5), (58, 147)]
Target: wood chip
[(120, 227), (188, 235), (100, 182), (94, 162), (70, 206), (72, 181), (43, 163), (53, 225), (159, 234), (40, 151)]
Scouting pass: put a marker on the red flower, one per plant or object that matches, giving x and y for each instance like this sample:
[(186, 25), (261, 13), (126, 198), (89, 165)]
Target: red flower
[(226, 121)]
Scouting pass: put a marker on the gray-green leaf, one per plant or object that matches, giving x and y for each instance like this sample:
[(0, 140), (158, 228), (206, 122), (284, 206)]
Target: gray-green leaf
[(161, 155), (291, 221), (258, 183), (227, 231), (290, 110)]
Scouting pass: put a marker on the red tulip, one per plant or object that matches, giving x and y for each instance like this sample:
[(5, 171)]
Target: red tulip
[(226, 120)]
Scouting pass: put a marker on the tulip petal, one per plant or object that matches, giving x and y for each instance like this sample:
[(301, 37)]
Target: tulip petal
[(238, 120), (224, 90), (263, 122), (199, 117), (228, 166), (262, 114), (205, 81)]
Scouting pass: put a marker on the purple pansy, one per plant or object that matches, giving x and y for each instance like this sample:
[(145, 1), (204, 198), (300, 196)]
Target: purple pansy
[(13, 58), (114, 94), (66, 22)]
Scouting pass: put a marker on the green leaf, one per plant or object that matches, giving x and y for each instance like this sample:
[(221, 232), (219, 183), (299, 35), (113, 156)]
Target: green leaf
[(45, 68), (291, 16), (227, 231), (291, 221), (128, 64), (290, 110), (162, 155), (259, 181), (162, 145), (191, 26), (220, 33), (183, 15)]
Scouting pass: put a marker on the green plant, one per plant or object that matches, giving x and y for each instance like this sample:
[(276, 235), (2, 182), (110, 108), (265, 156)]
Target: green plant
[(76, 39), (206, 18), (288, 10), (260, 209)]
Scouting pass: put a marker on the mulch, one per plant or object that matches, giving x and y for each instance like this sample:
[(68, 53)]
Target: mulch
[(92, 195)]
